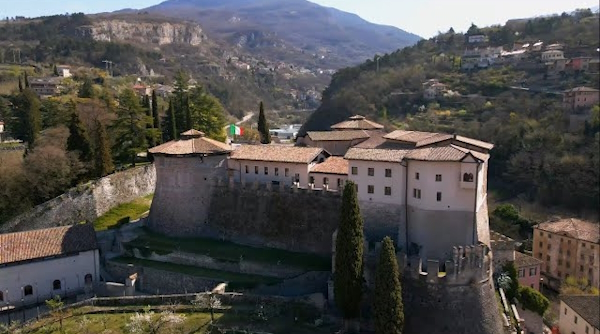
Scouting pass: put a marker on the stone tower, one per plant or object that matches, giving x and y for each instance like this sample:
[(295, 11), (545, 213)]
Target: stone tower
[(185, 172)]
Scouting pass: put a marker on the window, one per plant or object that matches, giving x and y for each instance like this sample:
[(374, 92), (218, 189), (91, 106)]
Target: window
[(568, 252), (581, 268), (548, 246), (56, 285), (276, 171), (592, 246), (521, 272), (417, 193), (559, 262), (438, 177), (370, 189), (540, 256), (531, 285), (287, 172), (532, 271), (547, 257), (565, 310), (325, 181), (582, 257), (388, 191), (575, 320), (587, 329), (591, 259), (416, 176), (583, 244), (549, 236), (339, 183), (388, 172), (297, 178), (354, 170), (28, 290), (468, 177), (266, 170), (311, 179), (541, 244), (371, 171), (247, 169), (439, 196), (88, 279), (255, 169), (541, 234)]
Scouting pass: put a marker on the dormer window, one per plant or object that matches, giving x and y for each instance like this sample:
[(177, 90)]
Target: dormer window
[(468, 177)]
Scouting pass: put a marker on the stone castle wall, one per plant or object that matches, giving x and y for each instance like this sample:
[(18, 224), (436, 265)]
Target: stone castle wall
[(86, 202)]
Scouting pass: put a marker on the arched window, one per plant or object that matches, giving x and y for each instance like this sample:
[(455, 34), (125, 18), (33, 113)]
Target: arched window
[(56, 285), (28, 290), (468, 177), (88, 279)]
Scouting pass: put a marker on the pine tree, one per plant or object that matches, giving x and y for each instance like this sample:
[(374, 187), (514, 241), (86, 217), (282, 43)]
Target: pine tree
[(180, 102), (263, 126), (206, 114), (87, 89), (26, 79), (155, 116), (55, 70), (170, 125), (103, 157), (349, 248), (20, 85), (79, 140), (130, 127), (387, 308)]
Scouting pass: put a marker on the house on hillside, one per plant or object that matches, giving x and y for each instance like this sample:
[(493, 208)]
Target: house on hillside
[(142, 90), (64, 71), (39, 264), (579, 64), (580, 97), (552, 55), (434, 90), (44, 87), (472, 39), (537, 46)]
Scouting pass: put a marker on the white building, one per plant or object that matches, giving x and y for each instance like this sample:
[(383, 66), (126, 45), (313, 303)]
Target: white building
[(274, 164), (552, 55), (579, 314), (64, 71), (40, 264)]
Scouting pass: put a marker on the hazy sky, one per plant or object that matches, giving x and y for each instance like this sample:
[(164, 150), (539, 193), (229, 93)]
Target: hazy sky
[(422, 17)]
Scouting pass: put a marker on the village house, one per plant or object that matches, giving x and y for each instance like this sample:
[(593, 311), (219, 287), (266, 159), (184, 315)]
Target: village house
[(528, 270), (552, 55), (537, 46), (45, 86), (477, 39), (142, 90), (580, 97), (433, 91), (528, 267), (64, 71), (568, 248), (556, 66), (330, 174), (274, 164), (579, 314), (39, 264), (579, 64)]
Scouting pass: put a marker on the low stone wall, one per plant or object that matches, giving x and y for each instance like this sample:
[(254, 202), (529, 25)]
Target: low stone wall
[(86, 202), (159, 281), (243, 266)]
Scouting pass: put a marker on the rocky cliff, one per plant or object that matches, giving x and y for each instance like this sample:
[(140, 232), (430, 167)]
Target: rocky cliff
[(159, 33)]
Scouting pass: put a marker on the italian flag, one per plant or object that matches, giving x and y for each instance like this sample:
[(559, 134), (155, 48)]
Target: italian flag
[(235, 130)]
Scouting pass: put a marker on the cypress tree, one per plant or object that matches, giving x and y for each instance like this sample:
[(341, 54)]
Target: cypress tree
[(388, 309), (87, 89), (30, 117), (349, 248), (170, 123), (26, 79), (20, 85), (78, 138), (263, 126), (103, 159), (155, 115), (55, 70)]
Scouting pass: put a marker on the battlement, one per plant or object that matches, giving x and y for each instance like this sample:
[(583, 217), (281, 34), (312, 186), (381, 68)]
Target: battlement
[(500, 242), (232, 184), (469, 264)]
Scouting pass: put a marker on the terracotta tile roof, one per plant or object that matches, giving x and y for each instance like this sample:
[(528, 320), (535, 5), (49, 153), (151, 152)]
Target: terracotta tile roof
[(333, 165), (573, 228), (443, 153), (374, 154), (410, 136), (581, 89), (474, 142), (357, 122), (276, 153), (192, 142), (420, 139), (337, 135), (36, 244), (524, 260), (587, 306)]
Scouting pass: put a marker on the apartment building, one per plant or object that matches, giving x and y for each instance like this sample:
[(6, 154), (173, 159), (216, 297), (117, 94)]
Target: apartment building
[(580, 97), (569, 248)]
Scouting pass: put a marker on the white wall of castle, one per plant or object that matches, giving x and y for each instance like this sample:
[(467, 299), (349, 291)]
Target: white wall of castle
[(333, 180), (379, 181), (69, 270)]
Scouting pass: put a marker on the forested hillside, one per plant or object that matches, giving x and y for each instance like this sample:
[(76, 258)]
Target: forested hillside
[(516, 106)]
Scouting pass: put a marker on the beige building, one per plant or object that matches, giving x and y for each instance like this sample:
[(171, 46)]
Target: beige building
[(274, 164), (580, 97), (579, 314), (331, 174), (568, 248), (552, 55), (45, 86)]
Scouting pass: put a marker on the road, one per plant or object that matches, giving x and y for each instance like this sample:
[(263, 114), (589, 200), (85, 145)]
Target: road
[(245, 118)]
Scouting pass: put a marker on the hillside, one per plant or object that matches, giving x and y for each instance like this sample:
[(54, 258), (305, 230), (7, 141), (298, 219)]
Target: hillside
[(266, 27), (517, 105)]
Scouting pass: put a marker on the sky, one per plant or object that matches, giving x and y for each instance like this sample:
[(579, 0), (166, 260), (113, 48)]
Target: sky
[(422, 17)]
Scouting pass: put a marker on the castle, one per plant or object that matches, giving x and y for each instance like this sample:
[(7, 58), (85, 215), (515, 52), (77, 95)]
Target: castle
[(426, 190)]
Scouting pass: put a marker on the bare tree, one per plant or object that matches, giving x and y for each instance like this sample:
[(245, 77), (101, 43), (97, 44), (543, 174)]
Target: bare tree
[(154, 323), (208, 301)]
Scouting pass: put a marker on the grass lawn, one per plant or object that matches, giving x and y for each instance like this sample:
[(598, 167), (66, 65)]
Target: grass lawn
[(235, 280), (133, 210), (228, 251)]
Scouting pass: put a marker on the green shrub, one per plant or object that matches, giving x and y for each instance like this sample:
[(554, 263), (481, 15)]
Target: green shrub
[(533, 300)]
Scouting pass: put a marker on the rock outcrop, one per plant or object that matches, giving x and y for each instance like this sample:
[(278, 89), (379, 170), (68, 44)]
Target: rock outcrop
[(144, 32)]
